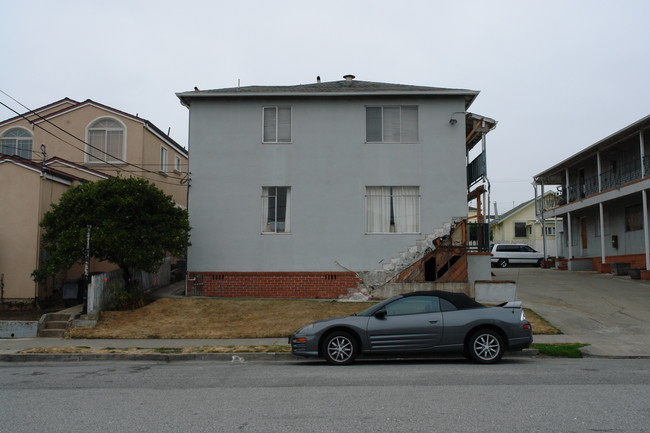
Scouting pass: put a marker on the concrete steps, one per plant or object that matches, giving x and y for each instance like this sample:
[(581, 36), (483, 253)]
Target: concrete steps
[(54, 325), (404, 259)]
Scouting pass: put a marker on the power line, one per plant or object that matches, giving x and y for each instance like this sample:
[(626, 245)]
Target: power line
[(118, 168)]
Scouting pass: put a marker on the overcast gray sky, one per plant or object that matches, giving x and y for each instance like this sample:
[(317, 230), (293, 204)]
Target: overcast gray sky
[(557, 75)]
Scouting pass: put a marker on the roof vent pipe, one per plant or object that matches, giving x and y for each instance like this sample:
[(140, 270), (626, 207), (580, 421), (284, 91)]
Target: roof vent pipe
[(349, 77)]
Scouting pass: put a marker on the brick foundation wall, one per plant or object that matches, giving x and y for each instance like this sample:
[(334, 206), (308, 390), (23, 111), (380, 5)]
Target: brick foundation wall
[(302, 285), (635, 261)]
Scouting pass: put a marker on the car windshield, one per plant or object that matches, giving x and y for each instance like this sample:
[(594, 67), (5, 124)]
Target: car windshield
[(370, 310)]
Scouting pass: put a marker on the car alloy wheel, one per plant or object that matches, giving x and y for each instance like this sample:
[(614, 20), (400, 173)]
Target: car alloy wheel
[(486, 346), (340, 348), (502, 263)]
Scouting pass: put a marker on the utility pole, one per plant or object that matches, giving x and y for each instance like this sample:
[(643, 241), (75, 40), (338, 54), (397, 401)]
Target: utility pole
[(87, 269)]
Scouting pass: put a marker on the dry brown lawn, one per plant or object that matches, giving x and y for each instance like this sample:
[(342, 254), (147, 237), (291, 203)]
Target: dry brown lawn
[(229, 318), (215, 318)]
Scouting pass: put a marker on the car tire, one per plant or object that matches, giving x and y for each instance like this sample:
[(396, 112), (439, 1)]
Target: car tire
[(502, 263), (340, 348), (485, 346)]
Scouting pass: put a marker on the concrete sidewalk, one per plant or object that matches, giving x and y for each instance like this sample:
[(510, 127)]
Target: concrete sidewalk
[(611, 314)]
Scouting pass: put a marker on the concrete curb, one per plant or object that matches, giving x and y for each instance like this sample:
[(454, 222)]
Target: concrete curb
[(161, 357), (240, 357)]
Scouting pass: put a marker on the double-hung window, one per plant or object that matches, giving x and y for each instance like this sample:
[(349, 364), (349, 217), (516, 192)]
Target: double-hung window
[(275, 209), (177, 164), (277, 124), (393, 209), (17, 141), (392, 124)]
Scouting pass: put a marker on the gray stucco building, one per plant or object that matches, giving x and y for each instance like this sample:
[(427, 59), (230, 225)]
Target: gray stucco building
[(297, 190)]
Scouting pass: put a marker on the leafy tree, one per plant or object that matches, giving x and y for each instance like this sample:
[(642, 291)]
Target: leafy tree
[(133, 225)]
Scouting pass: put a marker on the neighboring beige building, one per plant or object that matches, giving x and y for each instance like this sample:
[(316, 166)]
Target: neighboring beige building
[(47, 151), (521, 226)]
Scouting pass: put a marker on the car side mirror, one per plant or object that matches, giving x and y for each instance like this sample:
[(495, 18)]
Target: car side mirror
[(381, 313)]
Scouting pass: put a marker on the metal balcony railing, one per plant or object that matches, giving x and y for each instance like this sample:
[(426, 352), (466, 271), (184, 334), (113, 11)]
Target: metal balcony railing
[(476, 169), (627, 173)]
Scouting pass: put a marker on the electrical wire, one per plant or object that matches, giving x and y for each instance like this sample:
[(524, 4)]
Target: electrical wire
[(118, 168)]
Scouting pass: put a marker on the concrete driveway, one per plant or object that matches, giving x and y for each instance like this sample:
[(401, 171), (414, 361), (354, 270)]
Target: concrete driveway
[(611, 314)]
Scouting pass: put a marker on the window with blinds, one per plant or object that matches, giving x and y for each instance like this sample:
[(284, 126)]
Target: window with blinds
[(277, 124), (392, 124)]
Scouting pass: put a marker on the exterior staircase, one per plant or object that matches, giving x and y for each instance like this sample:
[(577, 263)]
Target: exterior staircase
[(54, 325), (396, 265)]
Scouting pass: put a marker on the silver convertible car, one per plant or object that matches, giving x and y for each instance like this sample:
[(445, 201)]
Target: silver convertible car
[(418, 323)]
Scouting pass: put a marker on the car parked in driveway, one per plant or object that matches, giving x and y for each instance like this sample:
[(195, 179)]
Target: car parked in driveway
[(418, 323), (505, 254)]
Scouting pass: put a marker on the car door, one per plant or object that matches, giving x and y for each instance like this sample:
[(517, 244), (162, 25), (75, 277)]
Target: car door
[(529, 255), (408, 324)]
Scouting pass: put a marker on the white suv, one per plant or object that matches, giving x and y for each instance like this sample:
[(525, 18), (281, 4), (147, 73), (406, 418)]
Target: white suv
[(504, 254)]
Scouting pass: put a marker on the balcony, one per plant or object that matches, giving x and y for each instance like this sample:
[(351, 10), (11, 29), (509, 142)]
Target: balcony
[(476, 170)]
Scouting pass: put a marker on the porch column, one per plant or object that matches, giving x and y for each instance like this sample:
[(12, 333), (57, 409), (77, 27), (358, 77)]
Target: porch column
[(598, 168), (602, 232), (641, 145), (646, 230), (570, 239), (566, 187), (542, 207)]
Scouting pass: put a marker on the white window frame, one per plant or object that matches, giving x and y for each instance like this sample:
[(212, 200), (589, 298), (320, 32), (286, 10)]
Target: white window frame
[(104, 158), (177, 164), (275, 121), (384, 204), (269, 226), (163, 159), (23, 152), (402, 125)]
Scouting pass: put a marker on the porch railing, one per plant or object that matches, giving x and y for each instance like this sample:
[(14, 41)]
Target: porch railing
[(478, 237)]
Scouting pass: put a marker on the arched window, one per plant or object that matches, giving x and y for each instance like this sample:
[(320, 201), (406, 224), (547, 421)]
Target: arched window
[(17, 141), (106, 140)]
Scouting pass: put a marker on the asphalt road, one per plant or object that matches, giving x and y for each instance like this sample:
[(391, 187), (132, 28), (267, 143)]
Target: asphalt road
[(448, 395)]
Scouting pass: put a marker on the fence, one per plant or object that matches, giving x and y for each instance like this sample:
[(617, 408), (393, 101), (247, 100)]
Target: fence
[(99, 293)]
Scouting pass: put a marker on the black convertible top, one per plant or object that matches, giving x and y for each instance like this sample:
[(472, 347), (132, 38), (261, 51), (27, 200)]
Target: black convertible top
[(460, 300)]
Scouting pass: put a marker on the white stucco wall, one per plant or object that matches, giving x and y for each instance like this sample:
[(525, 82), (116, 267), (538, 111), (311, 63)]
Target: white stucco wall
[(328, 166)]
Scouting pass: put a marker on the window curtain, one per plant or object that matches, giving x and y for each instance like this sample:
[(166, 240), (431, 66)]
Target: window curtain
[(24, 148), (284, 124), (406, 209), (97, 141), (373, 124), (392, 121), (409, 124), (378, 203), (114, 140), (270, 125)]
